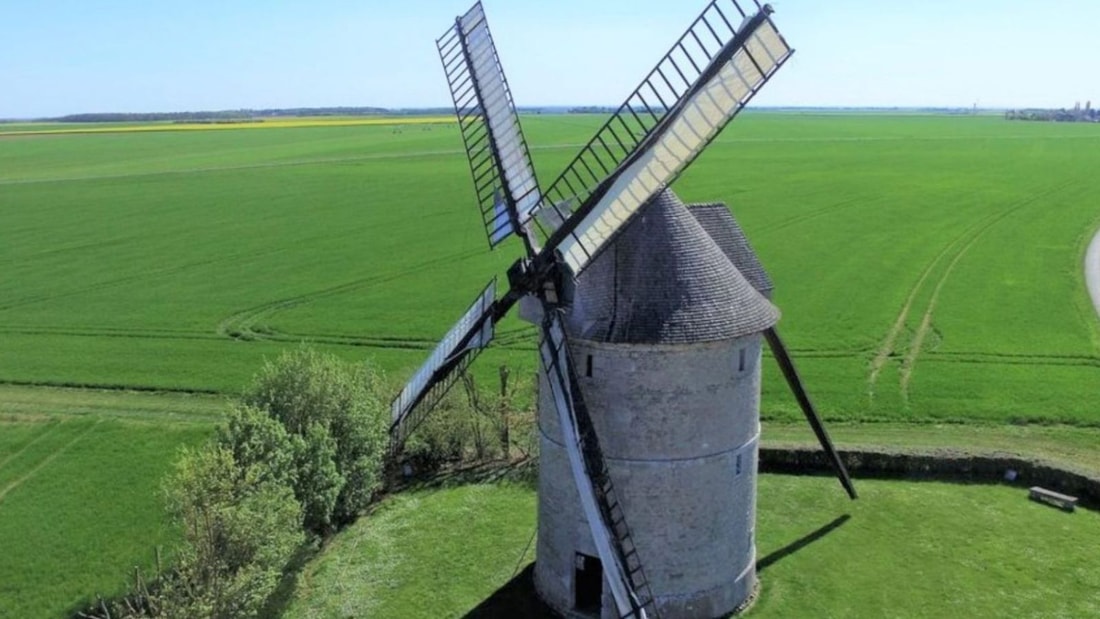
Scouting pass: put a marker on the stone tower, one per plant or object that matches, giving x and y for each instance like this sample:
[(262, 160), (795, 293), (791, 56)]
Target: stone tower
[(665, 335)]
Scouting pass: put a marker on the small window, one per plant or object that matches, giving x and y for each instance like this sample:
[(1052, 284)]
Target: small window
[(588, 366), (737, 465), (742, 356)]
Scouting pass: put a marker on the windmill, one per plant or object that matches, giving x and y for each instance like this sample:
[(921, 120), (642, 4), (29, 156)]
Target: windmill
[(652, 316)]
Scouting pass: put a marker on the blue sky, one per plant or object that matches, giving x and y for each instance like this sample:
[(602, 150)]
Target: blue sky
[(67, 56)]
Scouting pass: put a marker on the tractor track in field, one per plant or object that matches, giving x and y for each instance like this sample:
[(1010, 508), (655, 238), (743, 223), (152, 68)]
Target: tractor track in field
[(46, 461), (231, 259), (826, 354), (926, 320), (925, 327), (504, 340), (31, 443), (61, 384), (110, 332), (524, 339), (127, 279), (1014, 359), (971, 236), (263, 166), (76, 247), (804, 217), (245, 324), (451, 152), (886, 349)]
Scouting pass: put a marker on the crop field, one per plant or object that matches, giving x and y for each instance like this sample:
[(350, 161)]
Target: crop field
[(927, 267)]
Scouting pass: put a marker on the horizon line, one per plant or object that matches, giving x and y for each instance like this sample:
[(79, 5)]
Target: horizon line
[(368, 110)]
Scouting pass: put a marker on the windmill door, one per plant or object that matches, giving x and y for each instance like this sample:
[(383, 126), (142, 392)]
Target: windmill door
[(587, 584)]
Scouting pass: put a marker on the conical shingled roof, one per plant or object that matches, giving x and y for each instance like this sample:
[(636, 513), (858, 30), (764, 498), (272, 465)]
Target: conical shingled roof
[(663, 280), (720, 224)]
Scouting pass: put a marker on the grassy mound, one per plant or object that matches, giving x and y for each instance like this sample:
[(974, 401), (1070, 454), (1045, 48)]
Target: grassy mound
[(905, 549)]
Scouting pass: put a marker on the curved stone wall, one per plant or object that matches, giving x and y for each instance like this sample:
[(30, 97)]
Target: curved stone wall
[(679, 430)]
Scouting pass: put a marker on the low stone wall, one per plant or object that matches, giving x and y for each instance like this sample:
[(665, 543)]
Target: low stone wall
[(940, 465)]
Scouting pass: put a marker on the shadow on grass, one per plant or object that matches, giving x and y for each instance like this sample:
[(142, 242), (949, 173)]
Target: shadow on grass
[(283, 594), (800, 543), (517, 598), (522, 471)]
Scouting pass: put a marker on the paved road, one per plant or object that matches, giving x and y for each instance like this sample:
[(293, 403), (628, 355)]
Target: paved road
[(1092, 271)]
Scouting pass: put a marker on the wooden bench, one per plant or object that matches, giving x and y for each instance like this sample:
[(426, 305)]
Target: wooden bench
[(1050, 497)]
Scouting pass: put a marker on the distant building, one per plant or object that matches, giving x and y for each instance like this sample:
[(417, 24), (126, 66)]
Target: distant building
[(1077, 114)]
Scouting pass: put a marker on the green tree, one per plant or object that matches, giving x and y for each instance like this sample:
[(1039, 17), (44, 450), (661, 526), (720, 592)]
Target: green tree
[(305, 389), (240, 528), (260, 442), (306, 463), (319, 481)]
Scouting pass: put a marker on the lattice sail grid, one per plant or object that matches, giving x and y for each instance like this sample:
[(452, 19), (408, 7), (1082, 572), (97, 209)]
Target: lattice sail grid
[(457, 349), (726, 85), (504, 178)]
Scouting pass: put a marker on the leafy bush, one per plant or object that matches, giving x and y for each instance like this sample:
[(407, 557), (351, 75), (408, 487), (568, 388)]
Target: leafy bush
[(474, 423), (305, 463), (259, 442), (319, 481), (240, 527), (444, 435), (336, 409)]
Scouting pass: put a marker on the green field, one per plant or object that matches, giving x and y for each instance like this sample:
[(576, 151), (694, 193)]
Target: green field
[(905, 549), (80, 492), (928, 267)]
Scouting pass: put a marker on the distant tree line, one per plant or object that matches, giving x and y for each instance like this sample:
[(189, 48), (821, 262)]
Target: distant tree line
[(591, 109), (1063, 115)]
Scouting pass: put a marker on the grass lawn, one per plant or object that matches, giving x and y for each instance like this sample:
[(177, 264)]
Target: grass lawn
[(904, 549)]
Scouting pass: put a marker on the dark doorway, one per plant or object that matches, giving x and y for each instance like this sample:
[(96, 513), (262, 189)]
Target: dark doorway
[(587, 584)]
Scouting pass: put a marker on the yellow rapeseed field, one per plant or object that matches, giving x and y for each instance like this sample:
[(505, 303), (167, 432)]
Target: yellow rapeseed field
[(266, 123)]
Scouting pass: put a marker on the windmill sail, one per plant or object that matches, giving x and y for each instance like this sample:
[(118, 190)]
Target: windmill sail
[(602, 509), (455, 351), (504, 179), (677, 116)]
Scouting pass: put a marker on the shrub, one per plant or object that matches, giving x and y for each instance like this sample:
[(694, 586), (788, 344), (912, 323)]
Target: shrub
[(306, 463), (314, 396), (443, 436), (473, 422), (240, 527), (259, 442), (319, 481)]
